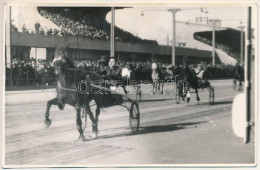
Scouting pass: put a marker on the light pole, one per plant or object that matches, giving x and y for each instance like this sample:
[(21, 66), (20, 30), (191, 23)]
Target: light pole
[(213, 42), (112, 33), (242, 44), (173, 11)]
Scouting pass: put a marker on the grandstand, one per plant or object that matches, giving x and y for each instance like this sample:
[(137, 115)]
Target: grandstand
[(227, 41), (88, 22), (187, 32)]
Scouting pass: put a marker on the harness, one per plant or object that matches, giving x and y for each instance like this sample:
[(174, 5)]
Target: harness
[(91, 84)]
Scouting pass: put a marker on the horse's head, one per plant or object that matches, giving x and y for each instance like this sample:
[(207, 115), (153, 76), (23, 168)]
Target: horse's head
[(61, 60), (58, 63), (154, 67)]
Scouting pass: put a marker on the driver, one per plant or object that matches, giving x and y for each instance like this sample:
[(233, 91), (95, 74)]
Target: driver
[(113, 71), (113, 74), (199, 70)]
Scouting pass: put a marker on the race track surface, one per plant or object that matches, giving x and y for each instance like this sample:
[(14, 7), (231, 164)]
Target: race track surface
[(169, 133)]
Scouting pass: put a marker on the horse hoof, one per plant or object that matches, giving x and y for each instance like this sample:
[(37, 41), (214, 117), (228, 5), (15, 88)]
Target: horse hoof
[(82, 138), (47, 123), (94, 134)]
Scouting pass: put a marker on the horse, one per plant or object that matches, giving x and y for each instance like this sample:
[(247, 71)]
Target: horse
[(164, 77), (238, 76), (68, 92), (155, 77), (159, 77), (192, 81)]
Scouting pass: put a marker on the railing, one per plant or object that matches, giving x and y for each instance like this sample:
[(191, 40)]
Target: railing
[(31, 82)]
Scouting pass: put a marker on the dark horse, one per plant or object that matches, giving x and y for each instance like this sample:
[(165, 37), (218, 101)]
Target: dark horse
[(192, 81), (69, 92)]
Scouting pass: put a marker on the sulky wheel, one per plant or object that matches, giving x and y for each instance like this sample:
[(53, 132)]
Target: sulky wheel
[(134, 118), (177, 95), (211, 95), (83, 117)]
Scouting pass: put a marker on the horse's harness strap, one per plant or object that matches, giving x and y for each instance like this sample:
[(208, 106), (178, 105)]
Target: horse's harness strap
[(93, 85), (63, 88), (72, 69)]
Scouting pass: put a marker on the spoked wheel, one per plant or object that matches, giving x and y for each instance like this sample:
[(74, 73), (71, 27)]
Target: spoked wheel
[(83, 117), (177, 96), (134, 118), (211, 95), (138, 94)]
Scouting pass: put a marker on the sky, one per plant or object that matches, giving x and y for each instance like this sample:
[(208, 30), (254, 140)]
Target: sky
[(157, 24)]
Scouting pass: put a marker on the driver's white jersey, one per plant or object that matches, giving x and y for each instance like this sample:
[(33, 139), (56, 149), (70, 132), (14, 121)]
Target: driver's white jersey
[(126, 73), (199, 73)]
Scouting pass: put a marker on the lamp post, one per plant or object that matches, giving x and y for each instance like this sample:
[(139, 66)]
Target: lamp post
[(241, 43), (213, 42), (173, 11), (112, 33)]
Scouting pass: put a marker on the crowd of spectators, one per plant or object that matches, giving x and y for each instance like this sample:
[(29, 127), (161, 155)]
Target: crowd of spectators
[(31, 73), (41, 72), (87, 26), (220, 46)]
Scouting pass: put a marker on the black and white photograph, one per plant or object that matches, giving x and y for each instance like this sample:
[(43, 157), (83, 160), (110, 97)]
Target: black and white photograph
[(129, 84)]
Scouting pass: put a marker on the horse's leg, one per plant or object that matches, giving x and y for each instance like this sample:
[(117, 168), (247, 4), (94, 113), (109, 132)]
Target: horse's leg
[(96, 117), (157, 86), (79, 125), (124, 88), (54, 101), (139, 88), (91, 116), (188, 95), (234, 84), (197, 94), (154, 87), (162, 84), (240, 84), (188, 92)]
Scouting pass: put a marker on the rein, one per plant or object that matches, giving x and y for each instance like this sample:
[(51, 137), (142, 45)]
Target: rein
[(72, 69), (67, 89)]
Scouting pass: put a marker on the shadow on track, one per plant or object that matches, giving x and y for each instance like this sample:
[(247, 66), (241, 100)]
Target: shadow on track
[(222, 102), (153, 100), (152, 129), (207, 103)]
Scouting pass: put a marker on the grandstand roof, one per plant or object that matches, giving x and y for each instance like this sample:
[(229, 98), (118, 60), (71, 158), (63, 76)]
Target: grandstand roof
[(230, 38)]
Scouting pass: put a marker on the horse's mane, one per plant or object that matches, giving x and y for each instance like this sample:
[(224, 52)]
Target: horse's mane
[(69, 63)]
